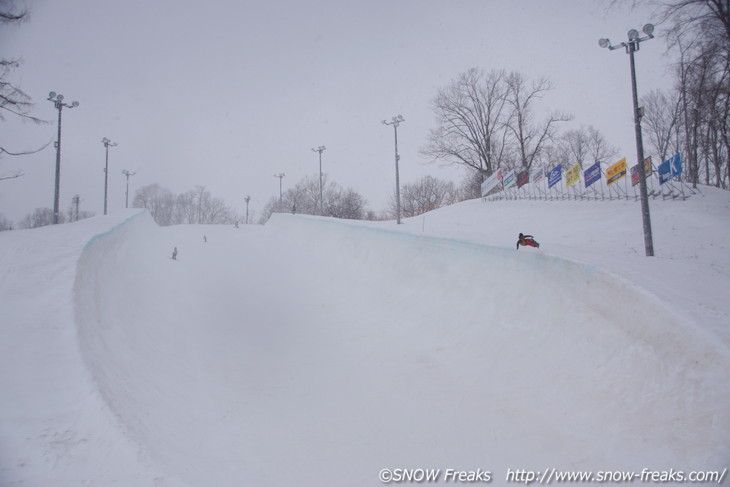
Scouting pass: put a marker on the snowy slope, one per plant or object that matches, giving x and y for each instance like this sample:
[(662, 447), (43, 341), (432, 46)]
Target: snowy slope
[(317, 352)]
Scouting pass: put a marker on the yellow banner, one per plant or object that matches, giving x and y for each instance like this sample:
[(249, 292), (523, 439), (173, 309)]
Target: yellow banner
[(572, 175), (616, 172)]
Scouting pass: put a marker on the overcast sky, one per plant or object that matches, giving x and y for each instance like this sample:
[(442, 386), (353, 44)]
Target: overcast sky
[(227, 93)]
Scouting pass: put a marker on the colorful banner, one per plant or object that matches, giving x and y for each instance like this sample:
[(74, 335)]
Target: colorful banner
[(492, 181), (635, 171), (522, 179), (572, 175), (592, 174), (616, 172), (509, 180), (538, 175), (555, 175)]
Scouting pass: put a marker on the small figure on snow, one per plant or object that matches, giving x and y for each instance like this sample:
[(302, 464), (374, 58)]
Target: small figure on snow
[(205, 239), (527, 240), (236, 223), (174, 254)]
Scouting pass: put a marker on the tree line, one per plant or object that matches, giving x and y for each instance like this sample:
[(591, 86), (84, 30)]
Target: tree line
[(197, 206), (692, 117)]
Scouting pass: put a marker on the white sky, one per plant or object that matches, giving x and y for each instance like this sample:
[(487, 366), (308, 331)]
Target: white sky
[(227, 93)]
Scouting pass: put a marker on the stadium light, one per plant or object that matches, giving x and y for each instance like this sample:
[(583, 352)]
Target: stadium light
[(632, 46), (126, 198), (395, 121), (108, 143), (320, 149), (57, 100)]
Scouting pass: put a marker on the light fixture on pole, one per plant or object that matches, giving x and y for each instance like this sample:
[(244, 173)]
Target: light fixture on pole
[(247, 199), (395, 121), (320, 149), (107, 143), (57, 100), (280, 176), (126, 197), (632, 46)]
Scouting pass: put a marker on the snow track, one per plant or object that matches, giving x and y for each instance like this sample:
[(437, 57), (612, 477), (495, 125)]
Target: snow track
[(313, 350)]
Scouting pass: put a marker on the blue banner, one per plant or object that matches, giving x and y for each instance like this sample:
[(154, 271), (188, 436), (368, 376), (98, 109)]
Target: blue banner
[(665, 172), (676, 163), (592, 174), (554, 176)]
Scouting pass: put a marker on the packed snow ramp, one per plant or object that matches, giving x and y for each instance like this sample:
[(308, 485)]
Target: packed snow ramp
[(318, 352)]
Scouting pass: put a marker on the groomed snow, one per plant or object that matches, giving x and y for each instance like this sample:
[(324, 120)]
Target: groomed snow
[(313, 351)]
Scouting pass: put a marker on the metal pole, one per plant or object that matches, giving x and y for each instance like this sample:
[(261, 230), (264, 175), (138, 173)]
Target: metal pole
[(320, 149), (56, 196), (107, 143), (106, 175), (57, 100), (126, 194), (395, 121), (397, 176), (321, 191), (645, 216)]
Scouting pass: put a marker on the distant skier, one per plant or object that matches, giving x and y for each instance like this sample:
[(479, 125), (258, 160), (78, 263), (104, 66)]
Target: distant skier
[(174, 254), (527, 240), (205, 239)]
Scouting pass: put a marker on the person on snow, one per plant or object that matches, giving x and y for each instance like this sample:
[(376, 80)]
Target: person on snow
[(527, 240), (174, 254)]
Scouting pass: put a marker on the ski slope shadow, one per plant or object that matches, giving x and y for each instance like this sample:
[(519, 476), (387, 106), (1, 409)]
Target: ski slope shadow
[(314, 349)]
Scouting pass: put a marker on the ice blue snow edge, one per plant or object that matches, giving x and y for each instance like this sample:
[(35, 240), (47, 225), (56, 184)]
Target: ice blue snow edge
[(542, 258), (116, 227)]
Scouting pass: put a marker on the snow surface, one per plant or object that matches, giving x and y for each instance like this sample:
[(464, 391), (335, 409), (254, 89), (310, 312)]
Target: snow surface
[(313, 351)]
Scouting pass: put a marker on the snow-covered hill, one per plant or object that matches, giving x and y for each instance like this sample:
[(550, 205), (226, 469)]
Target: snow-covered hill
[(313, 351)]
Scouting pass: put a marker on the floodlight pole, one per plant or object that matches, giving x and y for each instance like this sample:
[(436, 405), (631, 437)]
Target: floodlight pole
[(395, 121), (57, 100), (107, 143), (280, 176), (632, 46), (320, 149), (126, 197)]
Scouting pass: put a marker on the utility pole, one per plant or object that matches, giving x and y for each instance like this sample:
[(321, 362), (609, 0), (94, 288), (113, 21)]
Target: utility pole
[(107, 143), (247, 199), (126, 198), (320, 149), (395, 121), (57, 100)]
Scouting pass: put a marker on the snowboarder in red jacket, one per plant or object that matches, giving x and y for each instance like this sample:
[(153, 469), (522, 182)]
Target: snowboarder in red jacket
[(527, 240)]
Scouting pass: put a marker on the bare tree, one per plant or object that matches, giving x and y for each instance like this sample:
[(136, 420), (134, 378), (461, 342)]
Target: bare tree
[(530, 136), (159, 201), (304, 198), (40, 217), (426, 194), (348, 204), (13, 100), (5, 224), (470, 122), (584, 146), (661, 122)]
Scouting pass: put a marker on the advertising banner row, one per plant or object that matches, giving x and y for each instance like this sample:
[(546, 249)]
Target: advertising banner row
[(668, 170)]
